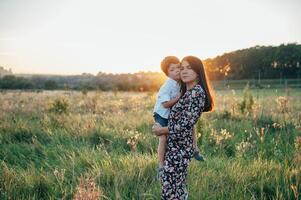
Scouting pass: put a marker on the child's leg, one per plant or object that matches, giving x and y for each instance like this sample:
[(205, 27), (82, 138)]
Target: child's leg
[(161, 149), (194, 140)]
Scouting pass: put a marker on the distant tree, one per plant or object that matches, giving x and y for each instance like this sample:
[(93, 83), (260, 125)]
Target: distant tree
[(264, 61), (13, 82), (50, 85)]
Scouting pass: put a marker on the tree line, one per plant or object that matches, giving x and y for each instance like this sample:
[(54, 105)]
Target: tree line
[(263, 62), (269, 62), (141, 81)]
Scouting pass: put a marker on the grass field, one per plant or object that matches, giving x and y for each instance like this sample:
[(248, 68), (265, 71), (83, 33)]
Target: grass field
[(99, 145)]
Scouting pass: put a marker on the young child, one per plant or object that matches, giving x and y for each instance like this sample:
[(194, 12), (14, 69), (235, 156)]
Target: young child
[(168, 95)]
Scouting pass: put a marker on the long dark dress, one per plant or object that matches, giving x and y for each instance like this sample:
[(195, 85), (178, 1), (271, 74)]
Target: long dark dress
[(182, 118)]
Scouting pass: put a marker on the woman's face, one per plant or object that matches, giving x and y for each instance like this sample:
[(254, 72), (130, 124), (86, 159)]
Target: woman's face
[(187, 74)]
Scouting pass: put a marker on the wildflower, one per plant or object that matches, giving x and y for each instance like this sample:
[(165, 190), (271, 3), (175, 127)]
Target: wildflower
[(282, 104), (244, 146), (87, 190)]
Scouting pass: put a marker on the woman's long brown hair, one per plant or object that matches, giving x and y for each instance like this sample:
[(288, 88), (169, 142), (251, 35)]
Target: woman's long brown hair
[(197, 66)]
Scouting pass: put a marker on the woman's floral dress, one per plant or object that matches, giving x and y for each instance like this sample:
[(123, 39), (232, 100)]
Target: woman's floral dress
[(179, 151)]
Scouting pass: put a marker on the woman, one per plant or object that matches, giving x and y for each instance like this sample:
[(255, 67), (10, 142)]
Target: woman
[(196, 98)]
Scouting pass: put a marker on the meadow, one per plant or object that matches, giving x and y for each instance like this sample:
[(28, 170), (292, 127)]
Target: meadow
[(99, 145)]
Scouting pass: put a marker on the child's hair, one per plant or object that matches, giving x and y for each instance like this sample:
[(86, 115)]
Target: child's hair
[(167, 61)]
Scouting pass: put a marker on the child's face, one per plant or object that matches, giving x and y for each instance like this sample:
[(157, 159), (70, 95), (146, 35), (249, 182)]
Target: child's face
[(174, 71)]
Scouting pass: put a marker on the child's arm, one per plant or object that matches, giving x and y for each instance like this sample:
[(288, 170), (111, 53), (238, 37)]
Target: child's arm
[(170, 103)]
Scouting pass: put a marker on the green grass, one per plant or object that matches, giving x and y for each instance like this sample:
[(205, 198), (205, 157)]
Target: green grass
[(106, 136)]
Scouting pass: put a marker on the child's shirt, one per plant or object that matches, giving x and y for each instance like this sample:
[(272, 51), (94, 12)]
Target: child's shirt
[(169, 90)]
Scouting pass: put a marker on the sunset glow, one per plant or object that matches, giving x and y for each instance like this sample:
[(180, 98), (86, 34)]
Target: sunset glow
[(72, 37)]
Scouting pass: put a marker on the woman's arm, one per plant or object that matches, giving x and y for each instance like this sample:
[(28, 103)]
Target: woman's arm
[(159, 130)]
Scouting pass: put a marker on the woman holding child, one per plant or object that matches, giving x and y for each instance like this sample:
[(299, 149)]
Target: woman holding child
[(196, 97)]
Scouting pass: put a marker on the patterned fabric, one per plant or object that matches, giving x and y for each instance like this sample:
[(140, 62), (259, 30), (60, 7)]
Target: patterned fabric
[(179, 151)]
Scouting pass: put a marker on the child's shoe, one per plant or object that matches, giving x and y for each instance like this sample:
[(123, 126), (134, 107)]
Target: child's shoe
[(198, 156)]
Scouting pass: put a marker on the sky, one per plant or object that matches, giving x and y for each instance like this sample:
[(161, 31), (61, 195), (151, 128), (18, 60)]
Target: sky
[(118, 36)]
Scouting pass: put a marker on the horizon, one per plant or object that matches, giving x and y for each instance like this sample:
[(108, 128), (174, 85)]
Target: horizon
[(141, 71), (75, 37)]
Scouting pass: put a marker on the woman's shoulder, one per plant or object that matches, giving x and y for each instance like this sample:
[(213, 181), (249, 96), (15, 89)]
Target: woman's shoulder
[(197, 91)]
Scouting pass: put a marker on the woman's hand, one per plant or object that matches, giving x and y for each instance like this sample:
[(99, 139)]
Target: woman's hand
[(157, 129)]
